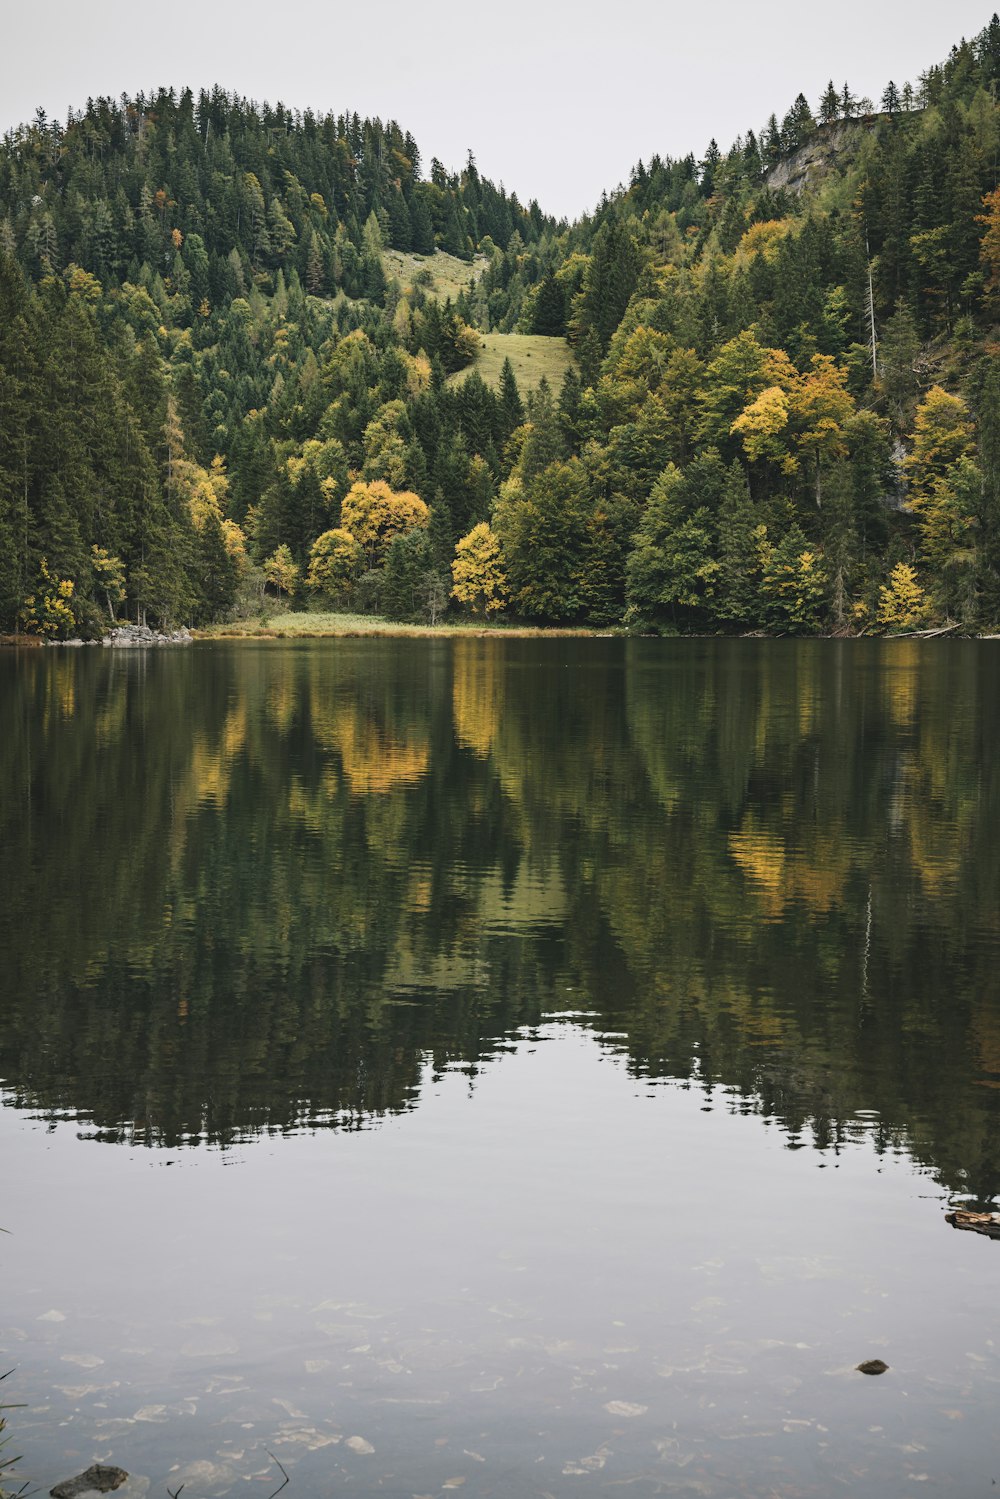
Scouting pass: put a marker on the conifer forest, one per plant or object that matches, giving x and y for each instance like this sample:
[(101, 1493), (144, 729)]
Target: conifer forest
[(231, 374)]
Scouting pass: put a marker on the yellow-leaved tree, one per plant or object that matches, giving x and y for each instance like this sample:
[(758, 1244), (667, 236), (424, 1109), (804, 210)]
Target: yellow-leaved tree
[(48, 611), (109, 575), (480, 581), (762, 425), (989, 249), (281, 571), (375, 515), (902, 604), (385, 447), (335, 560), (942, 434), (821, 408), (804, 416), (741, 371), (946, 496)]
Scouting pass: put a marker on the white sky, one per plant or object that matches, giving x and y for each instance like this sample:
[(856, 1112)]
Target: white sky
[(556, 101)]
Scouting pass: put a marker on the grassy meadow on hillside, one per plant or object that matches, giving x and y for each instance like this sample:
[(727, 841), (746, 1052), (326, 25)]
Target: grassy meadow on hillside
[(442, 275), (532, 355)]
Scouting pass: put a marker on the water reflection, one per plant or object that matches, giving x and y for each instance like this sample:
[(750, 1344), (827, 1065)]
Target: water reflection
[(253, 888), (563, 1275)]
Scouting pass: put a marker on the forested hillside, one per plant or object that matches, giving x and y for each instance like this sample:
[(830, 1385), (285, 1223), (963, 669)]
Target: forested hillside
[(225, 351)]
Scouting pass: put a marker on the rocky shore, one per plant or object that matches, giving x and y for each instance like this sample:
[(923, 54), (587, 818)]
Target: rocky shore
[(130, 636)]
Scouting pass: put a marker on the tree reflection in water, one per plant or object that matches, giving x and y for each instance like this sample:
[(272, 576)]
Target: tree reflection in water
[(252, 888)]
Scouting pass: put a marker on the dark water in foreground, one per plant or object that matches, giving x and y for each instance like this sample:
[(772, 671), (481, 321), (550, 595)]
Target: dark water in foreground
[(502, 1067)]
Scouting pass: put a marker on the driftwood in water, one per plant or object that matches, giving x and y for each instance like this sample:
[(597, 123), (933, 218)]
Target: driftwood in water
[(926, 634), (977, 1223)]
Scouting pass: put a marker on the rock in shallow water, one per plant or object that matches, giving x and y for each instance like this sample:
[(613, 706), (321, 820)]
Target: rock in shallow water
[(872, 1366), (97, 1480)]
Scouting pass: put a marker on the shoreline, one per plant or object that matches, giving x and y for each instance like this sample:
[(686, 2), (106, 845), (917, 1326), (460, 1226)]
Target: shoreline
[(331, 626), (293, 626)]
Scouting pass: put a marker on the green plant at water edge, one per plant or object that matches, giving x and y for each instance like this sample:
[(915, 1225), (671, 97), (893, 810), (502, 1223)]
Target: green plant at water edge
[(7, 1463)]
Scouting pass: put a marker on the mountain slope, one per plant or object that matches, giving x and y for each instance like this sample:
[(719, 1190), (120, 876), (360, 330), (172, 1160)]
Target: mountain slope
[(223, 376)]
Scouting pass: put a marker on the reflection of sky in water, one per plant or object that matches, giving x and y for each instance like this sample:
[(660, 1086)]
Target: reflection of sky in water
[(556, 1280)]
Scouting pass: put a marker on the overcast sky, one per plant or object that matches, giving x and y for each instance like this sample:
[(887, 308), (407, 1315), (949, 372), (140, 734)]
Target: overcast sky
[(556, 100)]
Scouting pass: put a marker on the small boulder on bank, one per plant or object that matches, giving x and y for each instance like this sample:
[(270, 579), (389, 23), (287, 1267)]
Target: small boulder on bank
[(99, 1479)]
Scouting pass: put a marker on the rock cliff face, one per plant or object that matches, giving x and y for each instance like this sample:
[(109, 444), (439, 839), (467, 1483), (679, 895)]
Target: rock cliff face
[(830, 148)]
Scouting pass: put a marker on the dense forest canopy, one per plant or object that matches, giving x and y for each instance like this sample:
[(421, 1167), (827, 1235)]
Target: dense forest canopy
[(228, 376)]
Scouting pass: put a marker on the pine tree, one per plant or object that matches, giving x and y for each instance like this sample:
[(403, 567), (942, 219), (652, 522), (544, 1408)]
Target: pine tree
[(421, 225), (891, 100), (772, 142), (829, 105), (738, 587), (709, 167), (673, 568), (511, 405), (899, 348), (400, 227), (315, 274), (798, 126), (215, 572), (609, 281), (543, 444), (549, 315), (543, 527)]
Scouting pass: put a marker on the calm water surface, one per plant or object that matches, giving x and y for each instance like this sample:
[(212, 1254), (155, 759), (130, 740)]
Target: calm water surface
[(503, 1067)]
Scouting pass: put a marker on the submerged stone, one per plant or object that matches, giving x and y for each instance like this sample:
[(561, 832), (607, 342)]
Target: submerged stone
[(98, 1479)]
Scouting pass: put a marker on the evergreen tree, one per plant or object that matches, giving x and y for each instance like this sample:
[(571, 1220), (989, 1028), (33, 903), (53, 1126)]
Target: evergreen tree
[(738, 586), (709, 166), (673, 568), (829, 105), (544, 530), (798, 125), (511, 405), (609, 281), (890, 100), (550, 309), (421, 225), (899, 349)]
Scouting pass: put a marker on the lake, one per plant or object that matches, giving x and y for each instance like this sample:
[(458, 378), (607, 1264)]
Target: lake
[(505, 1067)]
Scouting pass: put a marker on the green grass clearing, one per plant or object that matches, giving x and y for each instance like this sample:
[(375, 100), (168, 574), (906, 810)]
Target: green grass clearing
[(449, 275), (307, 626), (532, 355)]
